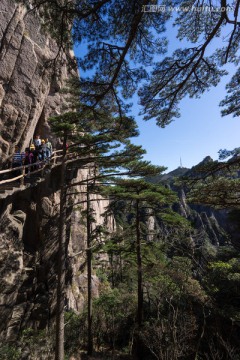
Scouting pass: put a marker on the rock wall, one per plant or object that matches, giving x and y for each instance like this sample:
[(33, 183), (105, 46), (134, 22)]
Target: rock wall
[(29, 224), (76, 293), (29, 87), (29, 218), (209, 226), (28, 233), (217, 227)]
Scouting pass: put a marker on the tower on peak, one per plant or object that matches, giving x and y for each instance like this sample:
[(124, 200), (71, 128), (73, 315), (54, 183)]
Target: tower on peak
[(181, 162)]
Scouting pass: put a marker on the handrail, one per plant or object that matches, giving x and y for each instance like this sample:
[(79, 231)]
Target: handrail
[(10, 180), (16, 168), (24, 167)]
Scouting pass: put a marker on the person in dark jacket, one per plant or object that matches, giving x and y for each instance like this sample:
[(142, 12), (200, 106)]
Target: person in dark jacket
[(28, 160), (17, 160)]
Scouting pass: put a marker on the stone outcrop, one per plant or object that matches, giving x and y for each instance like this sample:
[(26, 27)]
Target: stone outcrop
[(29, 88), (216, 227)]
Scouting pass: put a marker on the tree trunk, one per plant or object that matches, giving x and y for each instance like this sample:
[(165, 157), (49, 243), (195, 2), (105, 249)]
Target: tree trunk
[(89, 273), (137, 347), (139, 267), (59, 351)]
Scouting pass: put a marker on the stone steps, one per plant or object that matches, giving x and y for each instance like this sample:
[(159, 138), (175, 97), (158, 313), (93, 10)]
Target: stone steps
[(9, 190)]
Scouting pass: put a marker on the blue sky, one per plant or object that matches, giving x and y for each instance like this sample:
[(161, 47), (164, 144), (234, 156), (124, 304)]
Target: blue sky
[(199, 132)]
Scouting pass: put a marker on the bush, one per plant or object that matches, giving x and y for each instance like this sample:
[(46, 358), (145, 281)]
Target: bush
[(75, 332), (114, 313), (8, 352)]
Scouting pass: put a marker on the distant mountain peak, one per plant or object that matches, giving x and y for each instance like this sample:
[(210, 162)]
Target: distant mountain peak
[(206, 160), (179, 171)]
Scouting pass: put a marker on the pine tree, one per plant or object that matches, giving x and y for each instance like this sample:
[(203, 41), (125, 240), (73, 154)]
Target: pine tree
[(142, 196), (63, 128), (152, 196), (124, 36), (91, 142), (217, 183)]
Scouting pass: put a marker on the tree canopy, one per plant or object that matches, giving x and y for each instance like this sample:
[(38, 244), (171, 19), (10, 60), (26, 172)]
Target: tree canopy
[(124, 38)]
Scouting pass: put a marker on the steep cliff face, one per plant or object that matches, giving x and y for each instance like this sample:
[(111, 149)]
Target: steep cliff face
[(29, 218), (211, 225), (27, 95), (29, 223), (76, 292), (28, 255), (29, 87)]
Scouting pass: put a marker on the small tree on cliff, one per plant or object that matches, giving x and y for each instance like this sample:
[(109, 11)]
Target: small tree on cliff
[(91, 142)]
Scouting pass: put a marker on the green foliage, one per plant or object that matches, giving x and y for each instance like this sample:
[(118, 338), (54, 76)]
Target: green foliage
[(9, 352), (130, 38), (63, 125), (173, 219), (139, 189), (171, 323), (102, 275), (114, 317), (36, 342), (33, 343), (224, 153), (221, 192), (172, 280), (219, 267), (231, 100), (222, 282), (207, 250), (75, 332), (102, 138)]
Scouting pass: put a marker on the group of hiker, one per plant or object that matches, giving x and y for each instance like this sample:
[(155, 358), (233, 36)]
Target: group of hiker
[(38, 151)]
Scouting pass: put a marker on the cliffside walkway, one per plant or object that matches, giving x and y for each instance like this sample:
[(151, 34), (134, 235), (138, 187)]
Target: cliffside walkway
[(16, 183)]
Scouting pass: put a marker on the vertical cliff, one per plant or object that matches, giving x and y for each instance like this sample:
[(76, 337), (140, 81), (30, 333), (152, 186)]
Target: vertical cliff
[(29, 86), (29, 218), (29, 223)]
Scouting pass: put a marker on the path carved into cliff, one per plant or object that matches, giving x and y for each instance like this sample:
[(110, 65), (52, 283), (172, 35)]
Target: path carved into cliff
[(15, 183)]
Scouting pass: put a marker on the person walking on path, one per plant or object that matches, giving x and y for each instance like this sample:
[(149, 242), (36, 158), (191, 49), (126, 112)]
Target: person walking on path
[(28, 160), (48, 148), (17, 160), (37, 141)]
